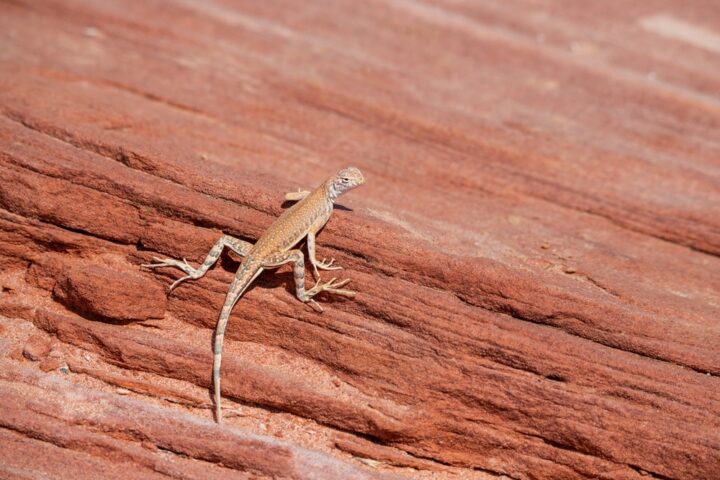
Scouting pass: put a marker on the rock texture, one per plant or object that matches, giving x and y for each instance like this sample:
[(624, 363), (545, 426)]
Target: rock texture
[(536, 248)]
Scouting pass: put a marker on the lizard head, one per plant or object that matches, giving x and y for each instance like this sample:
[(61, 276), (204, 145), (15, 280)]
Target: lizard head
[(346, 179)]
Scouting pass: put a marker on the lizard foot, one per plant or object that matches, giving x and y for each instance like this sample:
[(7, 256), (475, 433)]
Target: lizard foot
[(331, 287), (323, 265), (171, 262)]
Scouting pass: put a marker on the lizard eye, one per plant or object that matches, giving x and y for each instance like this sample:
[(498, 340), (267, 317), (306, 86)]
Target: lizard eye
[(345, 180)]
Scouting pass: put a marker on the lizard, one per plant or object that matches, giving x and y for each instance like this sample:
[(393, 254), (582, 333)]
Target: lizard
[(274, 248)]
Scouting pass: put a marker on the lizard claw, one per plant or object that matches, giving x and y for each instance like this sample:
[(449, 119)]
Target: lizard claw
[(324, 265), (341, 283), (336, 288), (178, 282), (341, 291), (170, 262), (183, 265), (331, 287), (160, 262), (315, 306)]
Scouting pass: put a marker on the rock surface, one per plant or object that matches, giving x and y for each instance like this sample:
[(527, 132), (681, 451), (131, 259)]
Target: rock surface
[(121, 298), (536, 248)]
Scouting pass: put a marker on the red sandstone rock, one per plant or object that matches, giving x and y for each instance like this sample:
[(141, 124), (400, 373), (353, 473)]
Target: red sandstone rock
[(36, 348), (50, 364), (98, 421), (364, 449), (16, 354), (536, 246), (93, 290)]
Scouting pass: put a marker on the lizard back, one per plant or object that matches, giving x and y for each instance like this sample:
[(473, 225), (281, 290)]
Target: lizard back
[(293, 224)]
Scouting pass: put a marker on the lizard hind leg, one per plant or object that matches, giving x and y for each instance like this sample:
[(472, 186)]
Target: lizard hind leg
[(306, 296), (236, 245)]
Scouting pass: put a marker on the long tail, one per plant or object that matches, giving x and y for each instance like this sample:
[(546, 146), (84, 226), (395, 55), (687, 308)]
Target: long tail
[(242, 281)]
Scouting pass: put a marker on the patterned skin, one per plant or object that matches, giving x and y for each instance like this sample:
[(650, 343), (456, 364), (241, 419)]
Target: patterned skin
[(275, 248)]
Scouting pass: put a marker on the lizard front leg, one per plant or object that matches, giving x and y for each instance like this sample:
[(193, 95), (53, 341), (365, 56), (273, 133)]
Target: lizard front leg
[(323, 265), (296, 196), (238, 246), (306, 296)]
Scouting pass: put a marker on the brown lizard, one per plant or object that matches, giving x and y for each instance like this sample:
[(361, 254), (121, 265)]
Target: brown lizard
[(275, 248)]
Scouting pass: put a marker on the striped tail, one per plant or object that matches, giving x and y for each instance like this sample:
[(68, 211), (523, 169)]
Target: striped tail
[(242, 281)]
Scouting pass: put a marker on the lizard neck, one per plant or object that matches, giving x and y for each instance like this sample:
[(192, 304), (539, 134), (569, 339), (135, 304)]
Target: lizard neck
[(331, 192)]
